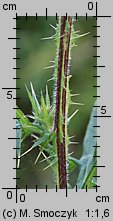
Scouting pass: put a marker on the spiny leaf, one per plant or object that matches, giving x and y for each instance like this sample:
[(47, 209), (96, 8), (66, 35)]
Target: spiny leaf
[(38, 143), (47, 145), (41, 140), (45, 140), (34, 128), (24, 122), (41, 113), (34, 97), (27, 127), (35, 108)]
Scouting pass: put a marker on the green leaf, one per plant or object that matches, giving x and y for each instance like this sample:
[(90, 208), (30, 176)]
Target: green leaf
[(89, 180), (24, 122), (47, 145), (34, 103), (27, 127), (90, 140), (44, 143), (23, 119), (42, 113), (43, 108), (85, 169), (34, 97), (87, 160), (37, 143), (18, 142), (41, 140), (75, 161), (72, 163), (34, 129), (47, 98)]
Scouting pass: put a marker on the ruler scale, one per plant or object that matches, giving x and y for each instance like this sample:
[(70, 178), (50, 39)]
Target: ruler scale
[(53, 204)]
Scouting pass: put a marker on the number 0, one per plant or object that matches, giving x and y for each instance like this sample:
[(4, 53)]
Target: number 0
[(90, 5)]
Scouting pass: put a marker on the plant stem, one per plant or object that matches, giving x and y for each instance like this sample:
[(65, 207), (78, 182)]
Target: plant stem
[(61, 95)]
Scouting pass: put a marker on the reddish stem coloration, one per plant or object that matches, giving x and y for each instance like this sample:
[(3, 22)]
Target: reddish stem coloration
[(59, 74), (66, 73), (63, 68)]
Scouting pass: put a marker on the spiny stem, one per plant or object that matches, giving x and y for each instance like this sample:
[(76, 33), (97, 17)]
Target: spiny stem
[(60, 146), (66, 73), (61, 85)]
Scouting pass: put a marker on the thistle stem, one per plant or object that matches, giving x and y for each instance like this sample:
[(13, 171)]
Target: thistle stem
[(61, 110)]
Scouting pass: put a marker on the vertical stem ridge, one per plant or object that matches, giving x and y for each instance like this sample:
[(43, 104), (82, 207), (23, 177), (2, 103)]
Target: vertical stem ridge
[(60, 114), (66, 73), (59, 74), (60, 147)]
